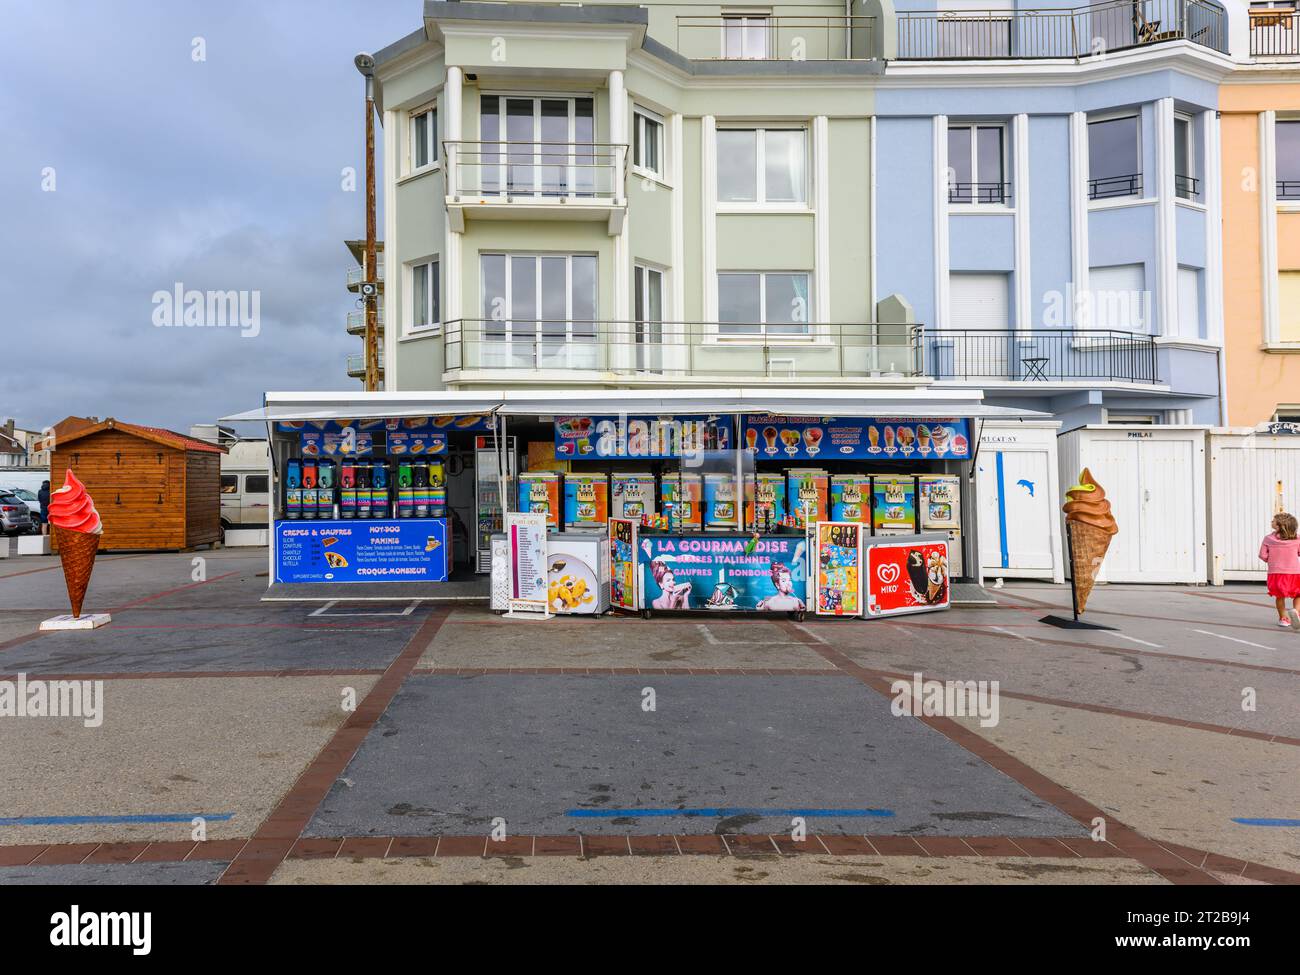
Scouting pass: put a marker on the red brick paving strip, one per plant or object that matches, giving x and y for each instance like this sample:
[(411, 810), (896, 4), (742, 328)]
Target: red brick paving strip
[(275, 838), (1127, 840)]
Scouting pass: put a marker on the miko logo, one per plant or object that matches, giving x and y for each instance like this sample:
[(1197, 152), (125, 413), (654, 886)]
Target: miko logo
[(888, 574)]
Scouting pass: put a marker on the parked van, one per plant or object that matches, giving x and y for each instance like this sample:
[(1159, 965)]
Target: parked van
[(245, 486)]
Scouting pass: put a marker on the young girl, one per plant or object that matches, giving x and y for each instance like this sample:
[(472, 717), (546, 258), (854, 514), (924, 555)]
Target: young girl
[(1281, 550)]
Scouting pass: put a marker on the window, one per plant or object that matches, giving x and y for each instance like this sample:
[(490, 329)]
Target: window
[(426, 295), (648, 297), (1186, 186), (1114, 158), (1118, 297), (542, 146), (1189, 303), (647, 142), (424, 139), (762, 166), (539, 310), (977, 164), (256, 484), (744, 37), (229, 483), (763, 303), (1287, 140), (1288, 294)]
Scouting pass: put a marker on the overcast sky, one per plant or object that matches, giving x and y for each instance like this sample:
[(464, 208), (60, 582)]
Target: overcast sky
[(219, 174)]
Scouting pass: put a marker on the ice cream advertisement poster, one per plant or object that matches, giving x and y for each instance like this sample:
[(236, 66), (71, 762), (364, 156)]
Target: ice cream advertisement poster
[(906, 577), (855, 438), (599, 437), (838, 563), (352, 551), (724, 574), (622, 563)]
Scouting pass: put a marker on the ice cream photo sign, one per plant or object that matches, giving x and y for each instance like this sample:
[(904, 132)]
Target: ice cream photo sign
[(77, 530), (1089, 526)]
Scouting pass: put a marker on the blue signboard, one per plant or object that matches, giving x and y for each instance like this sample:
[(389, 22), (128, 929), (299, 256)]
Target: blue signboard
[(856, 438), (360, 550), (644, 437), (725, 573)]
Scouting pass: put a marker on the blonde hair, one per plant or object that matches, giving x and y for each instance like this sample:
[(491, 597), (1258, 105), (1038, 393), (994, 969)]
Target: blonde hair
[(1285, 525)]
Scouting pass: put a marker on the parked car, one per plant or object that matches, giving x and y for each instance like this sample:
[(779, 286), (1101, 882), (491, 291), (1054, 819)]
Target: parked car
[(28, 498), (15, 516), (245, 499)]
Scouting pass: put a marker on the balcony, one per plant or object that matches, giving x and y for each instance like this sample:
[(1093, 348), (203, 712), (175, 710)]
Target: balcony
[(357, 365), (358, 274), (1039, 355), (673, 351), (1062, 33), (357, 321), (989, 194), (762, 38), (1288, 189), (1114, 187), (1274, 32), (536, 180)]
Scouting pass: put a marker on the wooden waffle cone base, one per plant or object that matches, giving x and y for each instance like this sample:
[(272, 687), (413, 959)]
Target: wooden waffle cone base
[(77, 553), (1088, 545)]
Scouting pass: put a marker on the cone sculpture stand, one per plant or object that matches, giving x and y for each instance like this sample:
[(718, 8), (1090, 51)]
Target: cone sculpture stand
[(77, 553), (1086, 548)]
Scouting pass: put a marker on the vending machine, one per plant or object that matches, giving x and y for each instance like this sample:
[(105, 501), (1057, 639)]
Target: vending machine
[(893, 504), (539, 492), (941, 512), (851, 499), (293, 489), (586, 502), (681, 499), (632, 495), (764, 501), (809, 495), (325, 481), (720, 502)]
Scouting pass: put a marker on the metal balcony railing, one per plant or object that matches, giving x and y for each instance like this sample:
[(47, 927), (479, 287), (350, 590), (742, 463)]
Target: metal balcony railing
[(685, 349), (357, 274), (1039, 355), (1108, 187), (357, 321), (991, 193), (1288, 189), (536, 171), (755, 37), (1061, 33), (1274, 32), (1187, 187)]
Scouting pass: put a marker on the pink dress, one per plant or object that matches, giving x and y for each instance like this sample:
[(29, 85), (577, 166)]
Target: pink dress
[(1283, 558)]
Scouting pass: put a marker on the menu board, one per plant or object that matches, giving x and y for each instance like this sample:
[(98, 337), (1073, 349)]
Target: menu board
[(416, 443), (478, 421), (724, 574), (622, 563), (907, 576), (361, 551), (855, 438), (599, 437), (527, 535), (837, 561)]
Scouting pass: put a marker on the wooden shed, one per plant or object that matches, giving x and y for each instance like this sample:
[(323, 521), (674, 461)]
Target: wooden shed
[(154, 488)]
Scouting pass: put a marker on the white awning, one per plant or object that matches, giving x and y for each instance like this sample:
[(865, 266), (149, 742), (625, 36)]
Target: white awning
[(906, 404)]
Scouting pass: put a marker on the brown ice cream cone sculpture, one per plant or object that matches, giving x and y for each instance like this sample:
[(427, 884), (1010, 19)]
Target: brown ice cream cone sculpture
[(1091, 525), (77, 529)]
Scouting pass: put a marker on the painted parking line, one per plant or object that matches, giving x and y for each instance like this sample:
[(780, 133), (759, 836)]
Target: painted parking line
[(1018, 636), (142, 818), (1268, 822), (1133, 639), (325, 610), (714, 641), (727, 812), (1247, 643)]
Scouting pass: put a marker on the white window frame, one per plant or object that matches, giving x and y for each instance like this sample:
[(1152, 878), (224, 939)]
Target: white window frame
[(1190, 150), (1288, 202), (745, 19), (639, 117), (760, 162), (763, 337), (1133, 113), (641, 272), (433, 326), (973, 125), (509, 323), (431, 144)]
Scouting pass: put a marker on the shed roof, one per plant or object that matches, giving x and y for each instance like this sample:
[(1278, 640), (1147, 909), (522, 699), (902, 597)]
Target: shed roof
[(159, 435)]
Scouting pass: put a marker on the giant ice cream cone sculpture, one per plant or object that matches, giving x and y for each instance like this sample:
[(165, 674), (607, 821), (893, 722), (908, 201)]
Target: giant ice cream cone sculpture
[(1091, 525), (77, 528)]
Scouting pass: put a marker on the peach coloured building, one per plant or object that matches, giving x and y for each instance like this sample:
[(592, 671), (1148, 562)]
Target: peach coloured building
[(1260, 132)]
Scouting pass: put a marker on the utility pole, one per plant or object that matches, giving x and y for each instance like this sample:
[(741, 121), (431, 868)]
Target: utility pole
[(370, 286)]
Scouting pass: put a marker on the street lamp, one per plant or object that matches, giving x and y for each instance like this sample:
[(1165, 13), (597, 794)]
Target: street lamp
[(370, 286)]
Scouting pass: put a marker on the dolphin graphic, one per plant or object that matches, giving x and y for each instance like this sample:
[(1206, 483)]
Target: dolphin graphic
[(1027, 485)]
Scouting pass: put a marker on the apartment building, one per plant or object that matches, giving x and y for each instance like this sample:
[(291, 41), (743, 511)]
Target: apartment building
[(1260, 107), (1025, 202)]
